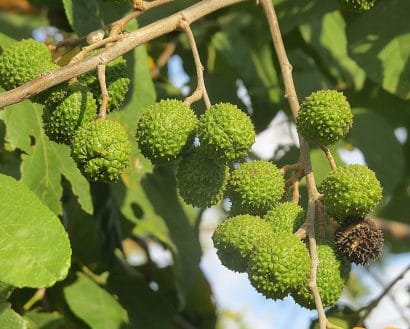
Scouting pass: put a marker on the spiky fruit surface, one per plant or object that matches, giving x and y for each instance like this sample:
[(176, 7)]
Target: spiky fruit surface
[(359, 240), (351, 190), (102, 150), (201, 180), (255, 187), (236, 238), (165, 130), (285, 217), (117, 82), (331, 278), (358, 6), (324, 117), (63, 120), (226, 132), (279, 265), (22, 62)]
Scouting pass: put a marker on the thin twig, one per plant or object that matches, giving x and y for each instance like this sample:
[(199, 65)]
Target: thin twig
[(126, 44), (321, 216), (313, 194), (38, 295), (295, 192), (164, 57), (290, 167), (373, 304), (72, 42), (102, 112), (94, 46), (200, 91), (329, 157), (397, 230), (296, 176)]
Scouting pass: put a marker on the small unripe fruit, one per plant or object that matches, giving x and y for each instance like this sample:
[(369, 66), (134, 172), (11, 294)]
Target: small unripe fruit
[(226, 132), (358, 6), (22, 62), (165, 130), (286, 217), (359, 240), (351, 190), (332, 275), (201, 180), (278, 266), (236, 238), (63, 120), (117, 83), (102, 150), (255, 187), (324, 117)]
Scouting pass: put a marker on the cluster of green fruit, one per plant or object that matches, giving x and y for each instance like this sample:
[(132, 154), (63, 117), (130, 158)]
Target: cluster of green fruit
[(259, 236), (100, 147), (350, 192)]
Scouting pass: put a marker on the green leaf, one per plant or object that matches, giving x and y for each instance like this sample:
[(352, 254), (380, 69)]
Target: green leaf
[(382, 151), (10, 319), (45, 161), (327, 36), (34, 247), (44, 320), (5, 291), (90, 15), (379, 40), (146, 308), (17, 26), (94, 305), (296, 12), (160, 188)]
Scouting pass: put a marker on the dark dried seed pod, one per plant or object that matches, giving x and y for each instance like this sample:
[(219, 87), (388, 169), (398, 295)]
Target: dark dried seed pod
[(359, 240)]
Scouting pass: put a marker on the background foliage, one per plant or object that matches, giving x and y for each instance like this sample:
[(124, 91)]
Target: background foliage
[(42, 191)]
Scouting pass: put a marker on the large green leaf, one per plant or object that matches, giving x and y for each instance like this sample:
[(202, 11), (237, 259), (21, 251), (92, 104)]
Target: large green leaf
[(379, 41), (10, 319), (45, 161), (381, 149), (160, 188), (44, 320), (34, 247), (146, 308), (102, 13), (327, 36), (94, 305), (294, 13)]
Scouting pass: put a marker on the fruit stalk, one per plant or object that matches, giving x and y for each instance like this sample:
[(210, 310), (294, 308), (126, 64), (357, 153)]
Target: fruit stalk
[(313, 194)]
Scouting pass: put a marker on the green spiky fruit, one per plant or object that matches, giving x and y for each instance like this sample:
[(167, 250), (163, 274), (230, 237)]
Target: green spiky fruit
[(102, 150), (255, 187), (279, 265), (117, 82), (358, 6), (22, 62), (324, 117), (201, 180), (359, 240), (286, 217), (332, 275), (63, 120), (351, 190), (236, 238), (226, 132), (165, 130)]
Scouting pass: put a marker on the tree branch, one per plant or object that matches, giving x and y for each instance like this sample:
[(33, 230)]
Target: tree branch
[(329, 157), (128, 43), (200, 91), (373, 304), (313, 194)]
